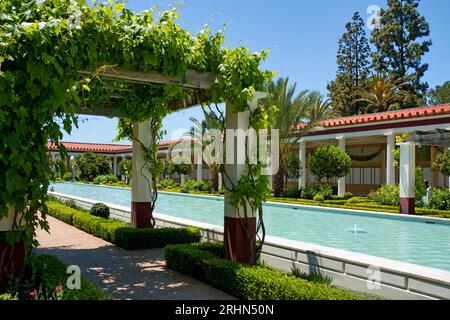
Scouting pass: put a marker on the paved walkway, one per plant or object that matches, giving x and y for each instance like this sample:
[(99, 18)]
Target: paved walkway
[(137, 275)]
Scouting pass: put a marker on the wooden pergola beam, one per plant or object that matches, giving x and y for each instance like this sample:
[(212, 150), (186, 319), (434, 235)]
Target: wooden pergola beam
[(439, 138), (191, 79)]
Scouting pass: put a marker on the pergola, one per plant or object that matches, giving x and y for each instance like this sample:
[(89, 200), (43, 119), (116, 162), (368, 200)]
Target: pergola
[(235, 236), (439, 138), (60, 58)]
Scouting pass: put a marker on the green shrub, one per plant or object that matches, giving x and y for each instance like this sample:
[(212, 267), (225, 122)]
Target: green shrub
[(433, 212), (312, 276), (348, 195), (100, 210), (292, 193), (129, 238), (351, 201), (312, 190), (70, 203), (7, 296), (440, 199), (61, 212), (372, 194), (247, 282), (67, 176), (319, 198), (105, 179), (388, 195), (168, 183), (196, 186), (121, 233)]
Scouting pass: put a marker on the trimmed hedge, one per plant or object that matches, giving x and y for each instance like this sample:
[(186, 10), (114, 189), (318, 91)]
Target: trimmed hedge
[(120, 233), (203, 261), (47, 272)]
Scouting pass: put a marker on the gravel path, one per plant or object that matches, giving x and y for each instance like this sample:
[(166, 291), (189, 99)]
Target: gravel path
[(136, 275)]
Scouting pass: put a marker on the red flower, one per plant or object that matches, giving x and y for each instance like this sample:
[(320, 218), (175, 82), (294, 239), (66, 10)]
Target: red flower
[(32, 293), (58, 289)]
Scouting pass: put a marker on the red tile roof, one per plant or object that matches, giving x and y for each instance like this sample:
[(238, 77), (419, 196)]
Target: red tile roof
[(404, 114), (92, 147), (105, 148)]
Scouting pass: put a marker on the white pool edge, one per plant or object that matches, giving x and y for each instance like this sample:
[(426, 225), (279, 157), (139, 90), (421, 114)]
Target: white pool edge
[(399, 280)]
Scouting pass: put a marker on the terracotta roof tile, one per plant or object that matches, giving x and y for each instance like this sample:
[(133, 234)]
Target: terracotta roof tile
[(104, 148), (387, 116)]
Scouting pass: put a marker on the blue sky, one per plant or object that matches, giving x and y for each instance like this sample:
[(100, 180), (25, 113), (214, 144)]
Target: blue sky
[(302, 36)]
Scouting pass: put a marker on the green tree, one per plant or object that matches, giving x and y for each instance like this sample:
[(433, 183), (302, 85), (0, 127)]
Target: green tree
[(90, 165), (442, 162), (125, 167), (353, 68), (401, 41), (439, 95), (292, 166), (329, 161), (182, 168), (168, 169), (296, 115)]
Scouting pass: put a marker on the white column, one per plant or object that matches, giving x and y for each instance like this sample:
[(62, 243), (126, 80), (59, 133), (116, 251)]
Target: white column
[(407, 177), (341, 181), (390, 168), (182, 179), (302, 158), (220, 186), (407, 170), (53, 156), (199, 168), (237, 246), (449, 177), (116, 171), (6, 223), (141, 191)]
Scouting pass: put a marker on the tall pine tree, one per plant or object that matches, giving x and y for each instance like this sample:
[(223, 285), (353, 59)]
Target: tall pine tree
[(353, 67), (400, 42)]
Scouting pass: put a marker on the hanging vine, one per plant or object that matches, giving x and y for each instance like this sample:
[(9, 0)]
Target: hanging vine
[(252, 189), (44, 44)]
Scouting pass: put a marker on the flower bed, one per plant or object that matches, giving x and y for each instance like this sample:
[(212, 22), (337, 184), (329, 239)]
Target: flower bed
[(45, 279), (120, 233)]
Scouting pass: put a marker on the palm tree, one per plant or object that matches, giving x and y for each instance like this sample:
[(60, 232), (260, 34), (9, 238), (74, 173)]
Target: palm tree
[(208, 128), (297, 114), (383, 93)]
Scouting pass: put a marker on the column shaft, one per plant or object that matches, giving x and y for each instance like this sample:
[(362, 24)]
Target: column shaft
[(407, 178), (141, 192)]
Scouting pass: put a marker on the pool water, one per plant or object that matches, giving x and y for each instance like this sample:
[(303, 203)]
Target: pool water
[(394, 238)]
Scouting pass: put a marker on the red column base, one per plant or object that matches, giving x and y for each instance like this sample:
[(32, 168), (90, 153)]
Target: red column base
[(12, 263), (141, 214), (407, 205), (236, 243)]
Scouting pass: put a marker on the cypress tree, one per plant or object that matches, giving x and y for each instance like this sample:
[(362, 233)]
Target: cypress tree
[(353, 67)]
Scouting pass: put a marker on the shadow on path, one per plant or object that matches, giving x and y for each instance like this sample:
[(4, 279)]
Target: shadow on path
[(137, 275)]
